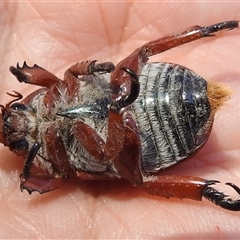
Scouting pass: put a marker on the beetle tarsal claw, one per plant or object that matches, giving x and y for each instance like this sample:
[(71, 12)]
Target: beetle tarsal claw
[(221, 199), (227, 25), (134, 91)]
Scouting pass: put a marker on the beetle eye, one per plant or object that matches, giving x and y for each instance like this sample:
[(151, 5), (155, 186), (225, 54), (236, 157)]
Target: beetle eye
[(20, 145), (18, 106)]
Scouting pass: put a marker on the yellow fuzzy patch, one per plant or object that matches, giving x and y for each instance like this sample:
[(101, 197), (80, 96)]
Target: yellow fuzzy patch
[(217, 95)]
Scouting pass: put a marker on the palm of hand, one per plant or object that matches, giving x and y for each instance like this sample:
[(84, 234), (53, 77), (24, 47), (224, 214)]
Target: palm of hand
[(87, 210)]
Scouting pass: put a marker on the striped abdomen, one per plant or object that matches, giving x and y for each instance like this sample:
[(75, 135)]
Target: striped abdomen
[(173, 114)]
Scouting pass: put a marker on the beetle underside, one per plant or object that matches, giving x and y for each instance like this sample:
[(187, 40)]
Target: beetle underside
[(148, 117)]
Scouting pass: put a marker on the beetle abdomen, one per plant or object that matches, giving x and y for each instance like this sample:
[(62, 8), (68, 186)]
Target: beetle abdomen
[(173, 114)]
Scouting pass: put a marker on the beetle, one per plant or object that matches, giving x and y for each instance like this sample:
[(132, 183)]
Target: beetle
[(104, 122)]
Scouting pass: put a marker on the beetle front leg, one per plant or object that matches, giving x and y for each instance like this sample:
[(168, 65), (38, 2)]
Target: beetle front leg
[(189, 187), (46, 182), (34, 75), (41, 183), (33, 182)]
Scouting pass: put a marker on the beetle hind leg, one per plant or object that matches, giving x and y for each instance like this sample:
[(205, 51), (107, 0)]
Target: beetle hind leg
[(175, 186), (192, 188), (221, 199), (227, 25)]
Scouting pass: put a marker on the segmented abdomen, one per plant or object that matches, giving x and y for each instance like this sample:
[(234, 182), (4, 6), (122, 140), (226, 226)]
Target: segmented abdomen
[(173, 114)]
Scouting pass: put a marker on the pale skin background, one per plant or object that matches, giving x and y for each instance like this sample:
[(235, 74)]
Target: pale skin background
[(57, 35)]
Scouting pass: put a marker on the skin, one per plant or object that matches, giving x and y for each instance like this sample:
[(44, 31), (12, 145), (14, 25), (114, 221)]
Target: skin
[(55, 36)]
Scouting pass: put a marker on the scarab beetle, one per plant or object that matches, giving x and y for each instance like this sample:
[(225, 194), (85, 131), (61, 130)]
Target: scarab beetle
[(129, 121)]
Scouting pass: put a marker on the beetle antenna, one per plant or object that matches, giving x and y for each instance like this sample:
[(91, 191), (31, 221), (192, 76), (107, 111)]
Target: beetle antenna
[(15, 95)]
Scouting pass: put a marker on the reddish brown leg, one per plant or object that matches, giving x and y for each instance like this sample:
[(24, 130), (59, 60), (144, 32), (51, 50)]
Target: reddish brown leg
[(89, 176), (140, 55), (190, 187), (38, 76), (89, 139), (88, 68), (34, 75), (123, 146), (41, 183), (59, 160), (71, 84), (83, 68), (175, 186), (120, 101)]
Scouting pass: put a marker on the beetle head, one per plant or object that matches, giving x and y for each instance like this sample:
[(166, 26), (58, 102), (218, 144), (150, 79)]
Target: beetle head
[(17, 123)]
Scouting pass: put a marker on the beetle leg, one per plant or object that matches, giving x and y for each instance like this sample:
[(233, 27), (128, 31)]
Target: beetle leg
[(175, 186), (59, 160), (57, 152), (185, 36), (123, 146), (88, 68), (141, 55), (41, 183), (91, 176), (89, 139), (34, 75), (134, 92), (84, 68), (189, 187), (221, 199)]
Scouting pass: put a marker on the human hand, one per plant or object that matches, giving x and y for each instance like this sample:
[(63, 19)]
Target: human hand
[(55, 36)]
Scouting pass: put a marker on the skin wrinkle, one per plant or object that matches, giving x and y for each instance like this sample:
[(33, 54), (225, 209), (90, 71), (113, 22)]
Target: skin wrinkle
[(128, 20), (117, 217), (29, 227), (21, 220), (164, 213), (124, 23), (105, 33), (39, 15), (90, 217)]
